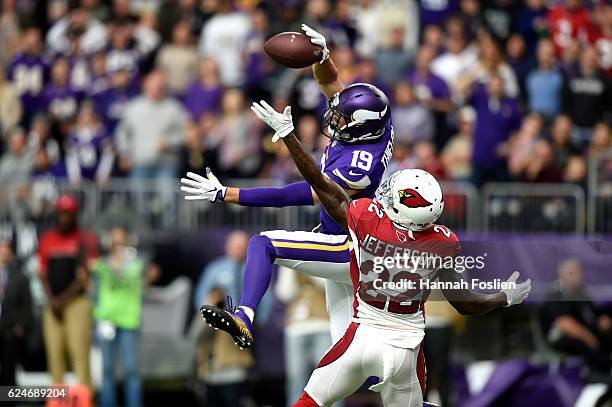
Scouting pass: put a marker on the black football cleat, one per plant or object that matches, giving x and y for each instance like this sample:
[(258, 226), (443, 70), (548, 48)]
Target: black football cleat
[(235, 323)]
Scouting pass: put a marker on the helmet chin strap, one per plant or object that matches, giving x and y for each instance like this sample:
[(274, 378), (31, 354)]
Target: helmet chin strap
[(331, 131), (398, 224)]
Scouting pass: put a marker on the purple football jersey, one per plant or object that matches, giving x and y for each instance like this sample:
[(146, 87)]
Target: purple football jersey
[(356, 166), (29, 74), (88, 148), (61, 102)]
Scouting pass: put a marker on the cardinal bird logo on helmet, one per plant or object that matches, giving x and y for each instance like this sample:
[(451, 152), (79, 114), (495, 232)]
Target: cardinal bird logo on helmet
[(412, 199)]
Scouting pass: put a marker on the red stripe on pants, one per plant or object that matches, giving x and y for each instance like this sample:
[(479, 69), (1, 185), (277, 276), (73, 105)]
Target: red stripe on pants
[(421, 369), (340, 347), (305, 401)]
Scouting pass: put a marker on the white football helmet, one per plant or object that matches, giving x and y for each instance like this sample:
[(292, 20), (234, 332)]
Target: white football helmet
[(411, 198)]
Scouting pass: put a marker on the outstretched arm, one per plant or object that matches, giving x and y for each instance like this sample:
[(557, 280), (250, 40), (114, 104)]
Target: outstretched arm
[(330, 194), (325, 71), (468, 302), (333, 198), (326, 75), (208, 188)]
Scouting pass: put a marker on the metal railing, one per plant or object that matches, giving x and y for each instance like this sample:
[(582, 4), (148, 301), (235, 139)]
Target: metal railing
[(461, 212), (141, 204), (461, 206), (540, 208), (155, 205), (600, 193)]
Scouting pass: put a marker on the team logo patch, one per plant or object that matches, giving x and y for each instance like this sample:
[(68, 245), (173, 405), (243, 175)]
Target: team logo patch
[(412, 199)]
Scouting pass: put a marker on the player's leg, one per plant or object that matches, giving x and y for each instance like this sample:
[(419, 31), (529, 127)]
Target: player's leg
[(406, 384), (339, 300), (338, 295), (315, 250), (340, 372), (255, 282), (314, 254), (305, 401), (335, 269)]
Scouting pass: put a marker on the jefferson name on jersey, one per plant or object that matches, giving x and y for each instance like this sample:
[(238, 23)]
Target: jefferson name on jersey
[(399, 307)]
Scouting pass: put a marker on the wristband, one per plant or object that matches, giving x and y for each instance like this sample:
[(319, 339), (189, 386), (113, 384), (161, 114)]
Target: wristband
[(220, 195)]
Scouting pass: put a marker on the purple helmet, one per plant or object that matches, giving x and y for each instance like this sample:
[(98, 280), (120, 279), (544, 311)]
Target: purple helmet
[(358, 113)]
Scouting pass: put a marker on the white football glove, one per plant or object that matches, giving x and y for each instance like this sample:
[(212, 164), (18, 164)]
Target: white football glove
[(516, 295), (317, 39), (197, 187), (281, 123)]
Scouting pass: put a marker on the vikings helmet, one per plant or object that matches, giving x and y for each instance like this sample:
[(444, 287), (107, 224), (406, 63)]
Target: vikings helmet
[(411, 198), (358, 113)]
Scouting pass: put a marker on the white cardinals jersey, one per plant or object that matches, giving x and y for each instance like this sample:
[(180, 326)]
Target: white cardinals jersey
[(391, 269)]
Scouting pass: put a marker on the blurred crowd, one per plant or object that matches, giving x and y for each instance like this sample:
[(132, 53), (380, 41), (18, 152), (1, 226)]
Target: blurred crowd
[(81, 284), (496, 90)]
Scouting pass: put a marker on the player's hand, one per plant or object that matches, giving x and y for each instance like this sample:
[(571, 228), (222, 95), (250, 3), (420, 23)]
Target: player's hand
[(516, 295), (197, 187), (317, 39), (281, 123)]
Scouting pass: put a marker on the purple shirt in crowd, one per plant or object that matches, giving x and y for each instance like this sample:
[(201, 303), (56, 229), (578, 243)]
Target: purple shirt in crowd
[(61, 102), (87, 149), (55, 171), (128, 59), (435, 12), (495, 122), (29, 74), (199, 100), (435, 86), (110, 104), (256, 61)]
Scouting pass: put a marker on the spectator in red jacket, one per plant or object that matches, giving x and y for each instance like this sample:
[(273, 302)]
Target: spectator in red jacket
[(569, 21), (64, 253)]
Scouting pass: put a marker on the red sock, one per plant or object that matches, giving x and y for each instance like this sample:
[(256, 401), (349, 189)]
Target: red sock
[(305, 401)]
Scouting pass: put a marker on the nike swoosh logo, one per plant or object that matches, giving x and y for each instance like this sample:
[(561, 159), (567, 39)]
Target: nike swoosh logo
[(354, 174), (359, 184)]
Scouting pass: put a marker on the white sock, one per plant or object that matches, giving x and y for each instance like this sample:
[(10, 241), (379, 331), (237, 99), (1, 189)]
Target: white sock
[(249, 312)]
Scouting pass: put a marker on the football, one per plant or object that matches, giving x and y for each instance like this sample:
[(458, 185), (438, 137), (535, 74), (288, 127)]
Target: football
[(293, 50)]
